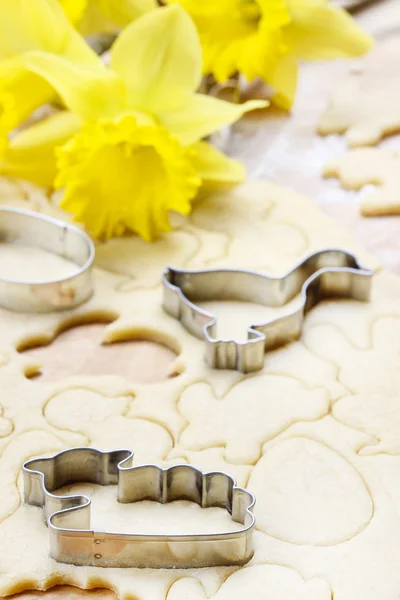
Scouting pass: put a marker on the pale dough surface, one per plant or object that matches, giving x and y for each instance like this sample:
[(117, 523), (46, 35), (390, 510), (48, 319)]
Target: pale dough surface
[(314, 434), (26, 263), (365, 105), (379, 167)]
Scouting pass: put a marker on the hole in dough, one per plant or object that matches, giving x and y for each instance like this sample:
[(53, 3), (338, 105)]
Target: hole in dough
[(66, 592), (78, 349)]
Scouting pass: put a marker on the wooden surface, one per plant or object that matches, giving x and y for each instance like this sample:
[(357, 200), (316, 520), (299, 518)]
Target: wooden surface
[(273, 145), (79, 351)]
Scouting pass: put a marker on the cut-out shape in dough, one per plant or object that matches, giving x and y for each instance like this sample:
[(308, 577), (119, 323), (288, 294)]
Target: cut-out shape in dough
[(142, 262), (374, 370), (246, 222), (252, 412), (366, 105), (102, 421), (372, 378), (377, 166), (377, 415), (309, 494), (16, 450), (81, 351), (258, 582), (6, 426)]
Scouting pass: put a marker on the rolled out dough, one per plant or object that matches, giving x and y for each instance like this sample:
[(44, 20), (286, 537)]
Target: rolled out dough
[(314, 434)]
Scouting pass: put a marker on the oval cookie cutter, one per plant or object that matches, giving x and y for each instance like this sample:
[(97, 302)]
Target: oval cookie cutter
[(19, 226), (330, 273), (68, 517)]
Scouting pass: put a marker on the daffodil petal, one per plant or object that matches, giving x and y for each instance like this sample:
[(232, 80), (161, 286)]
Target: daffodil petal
[(21, 92), (214, 167), (159, 58), (283, 79), (39, 25), (238, 36), (206, 8), (321, 31), (30, 154), (108, 16), (91, 92), (200, 115), (74, 9)]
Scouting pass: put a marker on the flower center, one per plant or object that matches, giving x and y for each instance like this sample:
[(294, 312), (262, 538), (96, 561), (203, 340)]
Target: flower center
[(120, 176), (250, 10)]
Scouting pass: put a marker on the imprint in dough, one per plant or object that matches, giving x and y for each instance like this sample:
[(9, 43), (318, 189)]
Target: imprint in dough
[(272, 582), (144, 263), (309, 494), (374, 370), (102, 421), (252, 412)]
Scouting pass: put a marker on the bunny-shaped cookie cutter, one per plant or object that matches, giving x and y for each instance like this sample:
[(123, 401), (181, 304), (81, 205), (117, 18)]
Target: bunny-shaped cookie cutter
[(68, 517)]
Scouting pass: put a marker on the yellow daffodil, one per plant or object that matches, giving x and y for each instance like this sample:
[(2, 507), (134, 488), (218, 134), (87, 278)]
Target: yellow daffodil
[(137, 154), (98, 16), (265, 38), (27, 25)]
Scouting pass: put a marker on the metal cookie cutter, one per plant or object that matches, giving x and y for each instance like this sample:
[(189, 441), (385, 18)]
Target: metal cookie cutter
[(68, 517), (34, 229), (325, 274)]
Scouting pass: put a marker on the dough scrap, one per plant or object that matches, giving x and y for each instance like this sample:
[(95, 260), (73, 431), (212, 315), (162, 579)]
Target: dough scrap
[(366, 105), (223, 420), (377, 166)]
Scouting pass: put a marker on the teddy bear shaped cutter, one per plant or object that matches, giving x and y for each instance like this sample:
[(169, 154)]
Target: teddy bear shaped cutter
[(68, 517), (330, 273)]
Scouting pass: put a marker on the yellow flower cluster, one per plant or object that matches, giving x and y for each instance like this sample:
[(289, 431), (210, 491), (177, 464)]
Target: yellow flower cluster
[(267, 38), (127, 146), (94, 16)]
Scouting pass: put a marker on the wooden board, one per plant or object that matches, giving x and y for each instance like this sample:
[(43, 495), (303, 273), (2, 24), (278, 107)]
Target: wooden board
[(79, 351), (276, 146)]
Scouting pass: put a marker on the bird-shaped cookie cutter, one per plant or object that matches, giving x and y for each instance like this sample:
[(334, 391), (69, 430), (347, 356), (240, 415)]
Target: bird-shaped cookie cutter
[(330, 273), (68, 517)]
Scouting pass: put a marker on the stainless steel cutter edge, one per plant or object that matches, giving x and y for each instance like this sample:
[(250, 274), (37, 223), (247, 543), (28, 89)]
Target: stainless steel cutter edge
[(324, 274), (55, 236), (68, 517)]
